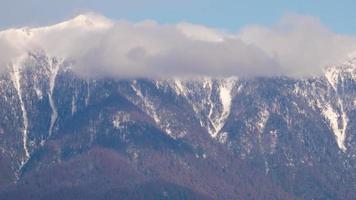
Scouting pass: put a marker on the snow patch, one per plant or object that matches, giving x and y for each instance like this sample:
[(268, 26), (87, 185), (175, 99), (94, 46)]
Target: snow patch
[(53, 71), (149, 106), (39, 93), (274, 141), (222, 138), (210, 99), (119, 119), (216, 116), (88, 94), (225, 89), (162, 118), (74, 105), (331, 76), (333, 117), (217, 120), (16, 80), (180, 89), (263, 117), (267, 169)]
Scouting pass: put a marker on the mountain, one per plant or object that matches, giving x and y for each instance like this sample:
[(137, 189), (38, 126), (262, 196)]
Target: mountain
[(64, 136)]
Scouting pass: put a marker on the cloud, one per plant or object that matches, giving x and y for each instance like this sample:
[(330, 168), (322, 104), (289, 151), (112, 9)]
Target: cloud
[(97, 46), (301, 44)]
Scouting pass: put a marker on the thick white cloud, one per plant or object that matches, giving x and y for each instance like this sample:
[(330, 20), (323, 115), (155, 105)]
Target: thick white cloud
[(97, 46), (300, 44)]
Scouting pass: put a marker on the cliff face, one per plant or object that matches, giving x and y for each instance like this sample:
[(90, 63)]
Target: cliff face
[(63, 136)]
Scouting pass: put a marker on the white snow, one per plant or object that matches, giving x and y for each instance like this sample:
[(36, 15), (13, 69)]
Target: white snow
[(332, 77), (222, 138), (263, 117), (180, 89), (225, 97), (162, 118), (74, 105), (274, 140), (208, 86), (38, 93), (344, 120), (88, 21), (225, 89), (267, 169), (120, 118), (218, 119), (88, 93), (216, 116), (146, 103), (149, 106), (16, 77), (333, 118), (336, 75), (213, 104), (53, 71)]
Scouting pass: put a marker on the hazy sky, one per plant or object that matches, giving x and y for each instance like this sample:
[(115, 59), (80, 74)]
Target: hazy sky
[(338, 15)]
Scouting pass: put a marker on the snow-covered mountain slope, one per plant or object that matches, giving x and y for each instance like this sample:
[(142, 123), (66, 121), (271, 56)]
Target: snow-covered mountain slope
[(210, 99), (295, 131), (87, 22)]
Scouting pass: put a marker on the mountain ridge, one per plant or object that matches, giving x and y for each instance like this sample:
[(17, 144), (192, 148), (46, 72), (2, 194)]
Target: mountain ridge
[(277, 130)]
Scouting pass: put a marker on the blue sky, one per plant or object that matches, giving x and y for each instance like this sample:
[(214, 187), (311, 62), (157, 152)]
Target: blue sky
[(339, 16)]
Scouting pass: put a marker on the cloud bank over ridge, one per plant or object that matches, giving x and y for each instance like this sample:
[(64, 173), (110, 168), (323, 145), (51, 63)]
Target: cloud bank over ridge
[(97, 46)]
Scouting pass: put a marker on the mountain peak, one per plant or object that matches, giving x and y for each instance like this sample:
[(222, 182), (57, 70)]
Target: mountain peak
[(88, 20)]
